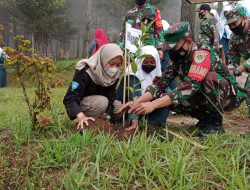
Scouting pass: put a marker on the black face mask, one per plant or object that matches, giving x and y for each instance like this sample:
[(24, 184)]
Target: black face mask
[(202, 15), (140, 2), (239, 29), (148, 68), (178, 55)]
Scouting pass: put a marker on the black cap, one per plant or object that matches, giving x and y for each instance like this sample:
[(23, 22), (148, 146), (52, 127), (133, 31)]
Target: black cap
[(205, 7)]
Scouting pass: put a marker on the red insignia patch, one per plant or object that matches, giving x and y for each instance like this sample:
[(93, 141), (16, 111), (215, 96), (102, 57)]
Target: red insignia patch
[(200, 66)]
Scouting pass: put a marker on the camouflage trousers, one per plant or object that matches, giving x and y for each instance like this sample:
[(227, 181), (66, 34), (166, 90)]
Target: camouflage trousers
[(247, 88), (216, 95)]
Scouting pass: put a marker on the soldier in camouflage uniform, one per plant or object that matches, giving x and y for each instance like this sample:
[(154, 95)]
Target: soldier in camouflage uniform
[(146, 13), (208, 34), (206, 90), (239, 44)]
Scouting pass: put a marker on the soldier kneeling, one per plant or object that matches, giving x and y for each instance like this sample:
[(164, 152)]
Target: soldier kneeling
[(207, 89)]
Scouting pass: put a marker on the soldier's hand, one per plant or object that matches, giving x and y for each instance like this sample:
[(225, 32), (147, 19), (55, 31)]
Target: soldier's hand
[(126, 107), (142, 108)]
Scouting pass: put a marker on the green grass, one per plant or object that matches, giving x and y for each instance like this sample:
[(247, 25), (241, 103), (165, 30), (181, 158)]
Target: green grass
[(57, 157), (64, 71)]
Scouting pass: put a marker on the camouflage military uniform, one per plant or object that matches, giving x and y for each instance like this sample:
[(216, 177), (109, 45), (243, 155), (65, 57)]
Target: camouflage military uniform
[(146, 14), (239, 47), (208, 34), (213, 84), (206, 88)]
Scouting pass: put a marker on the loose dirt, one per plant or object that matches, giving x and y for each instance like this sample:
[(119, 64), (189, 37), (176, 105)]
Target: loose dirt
[(231, 123), (118, 131)]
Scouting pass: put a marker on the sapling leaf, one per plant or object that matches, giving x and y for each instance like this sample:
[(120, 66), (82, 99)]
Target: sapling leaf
[(150, 25), (138, 53), (131, 89), (143, 28), (134, 67), (136, 43), (138, 90), (144, 37)]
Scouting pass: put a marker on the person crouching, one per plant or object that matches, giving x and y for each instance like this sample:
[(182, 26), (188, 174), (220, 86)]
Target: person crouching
[(92, 91)]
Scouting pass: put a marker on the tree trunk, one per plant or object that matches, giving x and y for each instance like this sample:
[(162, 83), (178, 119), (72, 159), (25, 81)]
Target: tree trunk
[(78, 44), (33, 39), (26, 97), (89, 27), (188, 13), (14, 41), (57, 49)]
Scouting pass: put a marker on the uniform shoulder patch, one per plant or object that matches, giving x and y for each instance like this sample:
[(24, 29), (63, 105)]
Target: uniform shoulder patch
[(74, 85), (200, 56), (200, 66)]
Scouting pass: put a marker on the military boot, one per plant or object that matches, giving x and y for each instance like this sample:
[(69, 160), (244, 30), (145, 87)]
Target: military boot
[(204, 120), (214, 125)]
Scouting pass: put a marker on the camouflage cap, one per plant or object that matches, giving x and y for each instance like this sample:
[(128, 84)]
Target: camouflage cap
[(235, 14), (175, 33)]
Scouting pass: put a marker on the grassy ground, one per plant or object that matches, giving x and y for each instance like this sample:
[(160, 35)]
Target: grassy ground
[(64, 71), (59, 158)]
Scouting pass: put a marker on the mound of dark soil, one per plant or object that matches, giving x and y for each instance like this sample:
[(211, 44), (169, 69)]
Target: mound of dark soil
[(118, 131)]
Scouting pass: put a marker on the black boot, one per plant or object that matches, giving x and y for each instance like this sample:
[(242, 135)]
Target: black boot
[(213, 125), (217, 124), (203, 123)]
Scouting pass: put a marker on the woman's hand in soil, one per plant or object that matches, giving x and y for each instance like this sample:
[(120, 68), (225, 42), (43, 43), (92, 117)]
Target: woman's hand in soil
[(142, 108), (83, 121)]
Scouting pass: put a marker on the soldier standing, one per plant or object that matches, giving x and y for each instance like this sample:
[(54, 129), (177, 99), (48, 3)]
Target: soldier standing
[(239, 44), (207, 89), (145, 13), (208, 34)]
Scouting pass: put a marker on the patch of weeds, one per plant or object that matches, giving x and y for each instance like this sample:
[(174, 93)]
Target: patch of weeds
[(57, 157), (59, 153), (22, 135)]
